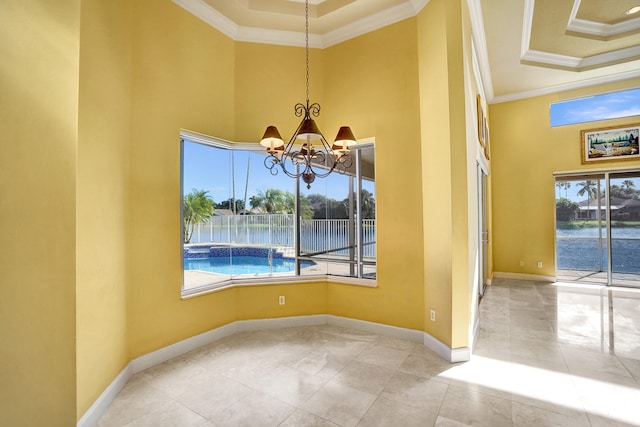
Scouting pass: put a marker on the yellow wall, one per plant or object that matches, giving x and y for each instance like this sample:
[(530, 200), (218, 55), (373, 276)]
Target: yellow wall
[(371, 84), (444, 171), (112, 268), (526, 153), (183, 77), (39, 44), (102, 196), (269, 81), (261, 78)]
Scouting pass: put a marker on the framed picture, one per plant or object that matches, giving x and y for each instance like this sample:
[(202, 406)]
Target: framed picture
[(611, 143), (481, 121), (486, 141)]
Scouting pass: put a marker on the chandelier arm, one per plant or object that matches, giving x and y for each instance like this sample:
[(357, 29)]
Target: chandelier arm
[(313, 109), (300, 109)]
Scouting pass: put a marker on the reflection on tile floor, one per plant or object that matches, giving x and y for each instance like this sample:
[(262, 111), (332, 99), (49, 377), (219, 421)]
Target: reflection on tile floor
[(599, 277), (546, 355)]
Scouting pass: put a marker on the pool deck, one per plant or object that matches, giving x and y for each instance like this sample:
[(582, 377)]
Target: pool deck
[(197, 278)]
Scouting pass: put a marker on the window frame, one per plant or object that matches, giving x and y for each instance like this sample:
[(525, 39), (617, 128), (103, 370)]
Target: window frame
[(578, 101), (194, 137)]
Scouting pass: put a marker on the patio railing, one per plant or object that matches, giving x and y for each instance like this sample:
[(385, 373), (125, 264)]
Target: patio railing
[(316, 235)]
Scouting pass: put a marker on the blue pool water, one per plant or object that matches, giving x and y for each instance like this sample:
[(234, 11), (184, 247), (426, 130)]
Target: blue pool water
[(239, 265)]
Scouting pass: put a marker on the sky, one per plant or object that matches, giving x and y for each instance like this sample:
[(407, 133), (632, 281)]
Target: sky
[(210, 169), (598, 107)]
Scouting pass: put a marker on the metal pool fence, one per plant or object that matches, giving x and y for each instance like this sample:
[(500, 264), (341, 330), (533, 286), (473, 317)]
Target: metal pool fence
[(316, 235)]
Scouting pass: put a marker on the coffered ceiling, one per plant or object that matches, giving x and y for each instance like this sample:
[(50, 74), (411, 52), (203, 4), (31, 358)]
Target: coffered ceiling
[(525, 47)]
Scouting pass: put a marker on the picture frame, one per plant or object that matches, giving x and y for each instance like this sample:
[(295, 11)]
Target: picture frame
[(615, 143), (481, 121), (486, 140)]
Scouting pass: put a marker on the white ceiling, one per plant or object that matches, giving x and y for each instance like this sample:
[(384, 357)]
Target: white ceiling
[(525, 47)]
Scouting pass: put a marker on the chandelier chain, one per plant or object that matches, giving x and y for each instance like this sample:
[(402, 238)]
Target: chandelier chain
[(306, 40)]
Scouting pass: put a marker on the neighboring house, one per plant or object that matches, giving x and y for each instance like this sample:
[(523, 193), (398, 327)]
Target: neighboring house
[(619, 209), (223, 212)]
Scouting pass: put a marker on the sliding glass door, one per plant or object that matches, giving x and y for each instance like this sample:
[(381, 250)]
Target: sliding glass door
[(598, 228), (624, 208)]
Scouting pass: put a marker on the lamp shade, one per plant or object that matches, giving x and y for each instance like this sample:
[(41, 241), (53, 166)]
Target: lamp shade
[(309, 130), (272, 139), (344, 138)]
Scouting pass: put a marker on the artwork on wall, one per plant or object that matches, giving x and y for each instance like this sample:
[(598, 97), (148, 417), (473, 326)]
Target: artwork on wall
[(610, 143), (486, 139), (483, 126)]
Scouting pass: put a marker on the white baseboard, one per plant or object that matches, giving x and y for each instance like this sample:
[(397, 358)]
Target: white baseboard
[(523, 276), (104, 401), (101, 405), (181, 347), (449, 354)]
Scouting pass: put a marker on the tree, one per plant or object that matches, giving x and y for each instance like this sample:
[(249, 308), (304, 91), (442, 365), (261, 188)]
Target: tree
[(627, 184), (306, 212), (290, 205), (197, 207), (271, 200), (588, 187), (629, 191), (327, 208), (566, 209), (368, 205)]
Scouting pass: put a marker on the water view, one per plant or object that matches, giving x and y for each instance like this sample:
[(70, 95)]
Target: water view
[(583, 249)]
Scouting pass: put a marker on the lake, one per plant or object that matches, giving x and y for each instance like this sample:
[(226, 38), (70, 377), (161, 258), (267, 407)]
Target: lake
[(578, 249)]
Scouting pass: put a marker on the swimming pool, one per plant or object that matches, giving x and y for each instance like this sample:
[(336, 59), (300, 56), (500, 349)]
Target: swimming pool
[(240, 265)]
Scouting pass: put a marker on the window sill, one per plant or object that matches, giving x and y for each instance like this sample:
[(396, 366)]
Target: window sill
[(233, 283)]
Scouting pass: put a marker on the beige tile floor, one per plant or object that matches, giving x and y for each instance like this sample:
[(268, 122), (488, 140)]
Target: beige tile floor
[(546, 355)]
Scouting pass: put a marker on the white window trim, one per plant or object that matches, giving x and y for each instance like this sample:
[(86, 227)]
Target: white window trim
[(200, 138)]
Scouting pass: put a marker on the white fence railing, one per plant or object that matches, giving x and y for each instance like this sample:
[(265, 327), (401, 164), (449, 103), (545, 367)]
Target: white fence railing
[(316, 235)]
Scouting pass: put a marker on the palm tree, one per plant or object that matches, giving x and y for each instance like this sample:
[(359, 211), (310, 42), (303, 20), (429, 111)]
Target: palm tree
[(627, 184), (588, 187), (197, 207), (272, 200)]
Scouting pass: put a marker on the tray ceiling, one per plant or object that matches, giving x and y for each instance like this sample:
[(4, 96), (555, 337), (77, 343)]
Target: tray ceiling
[(525, 47)]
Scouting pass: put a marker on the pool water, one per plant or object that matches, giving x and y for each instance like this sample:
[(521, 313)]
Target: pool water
[(239, 265)]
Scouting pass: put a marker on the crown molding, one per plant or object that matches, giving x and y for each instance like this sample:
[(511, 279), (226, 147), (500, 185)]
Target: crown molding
[(599, 30), (572, 63), (278, 37), (480, 46), (566, 86), (209, 15), (370, 23)]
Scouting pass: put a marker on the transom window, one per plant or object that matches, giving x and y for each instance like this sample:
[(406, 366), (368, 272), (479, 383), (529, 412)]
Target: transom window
[(606, 106), (240, 224)]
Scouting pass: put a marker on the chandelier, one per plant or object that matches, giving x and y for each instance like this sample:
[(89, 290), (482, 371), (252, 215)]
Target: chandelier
[(308, 161)]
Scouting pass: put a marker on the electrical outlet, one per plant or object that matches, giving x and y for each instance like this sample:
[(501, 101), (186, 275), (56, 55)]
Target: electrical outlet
[(521, 263), (539, 264), (281, 300), (433, 315)]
